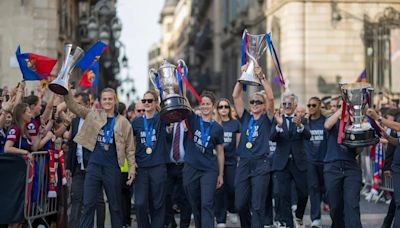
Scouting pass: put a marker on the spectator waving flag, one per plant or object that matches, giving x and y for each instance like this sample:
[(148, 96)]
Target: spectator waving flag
[(34, 67), (92, 55), (362, 77), (90, 76)]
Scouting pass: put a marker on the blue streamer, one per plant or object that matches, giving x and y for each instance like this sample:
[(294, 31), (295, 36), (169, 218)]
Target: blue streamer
[(179, 81), (158, 86), (244, 48), (274, 57)]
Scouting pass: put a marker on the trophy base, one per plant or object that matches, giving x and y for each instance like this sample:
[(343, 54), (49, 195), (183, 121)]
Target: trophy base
[(249, 79), (58, 89), (360, 138), (251, 83), (174, 109)]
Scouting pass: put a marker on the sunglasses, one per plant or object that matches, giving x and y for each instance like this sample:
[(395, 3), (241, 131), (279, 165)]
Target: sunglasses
[(147, 100), (223, 106), (337, 106), (140, 110), (312, 105), (287, 104), (256, 102)]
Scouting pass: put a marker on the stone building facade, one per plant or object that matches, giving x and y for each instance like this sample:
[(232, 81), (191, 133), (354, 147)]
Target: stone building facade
[(31, 24)]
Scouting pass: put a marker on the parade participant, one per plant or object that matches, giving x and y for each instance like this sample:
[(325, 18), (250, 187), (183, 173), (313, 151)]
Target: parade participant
[(139, 109), (5, 128), (395, 126), (253, 169), (151, 155), (290, 161), (316, 151), (177, 139), (224, 197), (76, 164), (130, 112), (108, 137), (204, 162), (342, 174)]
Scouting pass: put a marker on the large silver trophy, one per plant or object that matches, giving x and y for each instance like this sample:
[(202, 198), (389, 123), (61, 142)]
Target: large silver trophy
[(254, 46), (358, 97), (60, 84), (174, 107)]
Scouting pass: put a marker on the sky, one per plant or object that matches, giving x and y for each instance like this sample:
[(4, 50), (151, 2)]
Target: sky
[(140, 29)]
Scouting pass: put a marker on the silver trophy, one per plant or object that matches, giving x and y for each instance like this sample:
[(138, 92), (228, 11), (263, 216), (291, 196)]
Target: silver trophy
[(358, 98), (174, 107), (60, 84), (255, 46)]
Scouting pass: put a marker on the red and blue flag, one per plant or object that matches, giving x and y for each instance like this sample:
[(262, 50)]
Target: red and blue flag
[(362, 77), (34, 67), (92, 55), (90, 76)]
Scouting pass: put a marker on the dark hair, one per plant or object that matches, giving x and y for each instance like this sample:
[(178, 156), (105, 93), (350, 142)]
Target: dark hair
[(131, 108), (315, 98), (121, 108), (209, 95), (19, 110), (84, 97), (31, 100)]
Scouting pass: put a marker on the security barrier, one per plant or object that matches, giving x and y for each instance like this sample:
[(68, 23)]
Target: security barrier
[(373, 177), (37, 202)]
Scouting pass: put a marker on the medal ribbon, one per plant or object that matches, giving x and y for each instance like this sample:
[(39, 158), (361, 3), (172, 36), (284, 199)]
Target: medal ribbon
[(148, 130), (109, 131), (250, 128), (206, 133)]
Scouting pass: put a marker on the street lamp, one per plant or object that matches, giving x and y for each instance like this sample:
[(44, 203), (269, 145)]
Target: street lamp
[(92, 28), (116, 27)]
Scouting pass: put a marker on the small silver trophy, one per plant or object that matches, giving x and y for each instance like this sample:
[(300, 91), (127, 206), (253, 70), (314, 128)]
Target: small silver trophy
[(358, 98), (60, 84), (174, 107), (254, 46)]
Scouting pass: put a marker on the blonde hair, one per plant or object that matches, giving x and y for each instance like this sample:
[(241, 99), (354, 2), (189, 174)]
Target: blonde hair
[(111, 90), (218, 116)]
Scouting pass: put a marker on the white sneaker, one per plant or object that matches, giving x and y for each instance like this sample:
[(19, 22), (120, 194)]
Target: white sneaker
[(372, 195), (294, 208), (221, 225), (279, 224), (233, 218), (316, 224), (299, 223)]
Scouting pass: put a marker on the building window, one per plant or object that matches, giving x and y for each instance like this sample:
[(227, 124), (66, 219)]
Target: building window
[(226, 12), (244, 5)]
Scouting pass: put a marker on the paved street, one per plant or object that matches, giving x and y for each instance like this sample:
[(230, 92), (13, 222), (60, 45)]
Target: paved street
[(371, 216)]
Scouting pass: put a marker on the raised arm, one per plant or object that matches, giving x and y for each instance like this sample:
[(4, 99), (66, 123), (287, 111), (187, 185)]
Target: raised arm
[(332, 120), (388, 123), (76, 108), (237, 99)]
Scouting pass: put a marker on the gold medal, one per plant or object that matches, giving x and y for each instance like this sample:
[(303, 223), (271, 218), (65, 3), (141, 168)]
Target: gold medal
[(106, 146), (149, 150), (249, 145)]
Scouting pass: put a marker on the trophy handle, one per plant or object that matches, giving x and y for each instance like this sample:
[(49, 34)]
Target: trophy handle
[(152, 76), (182, 63)]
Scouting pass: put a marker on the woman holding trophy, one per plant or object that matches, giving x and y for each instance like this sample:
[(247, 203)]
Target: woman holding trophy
[(204, 162), (252, 173), (151, 155)]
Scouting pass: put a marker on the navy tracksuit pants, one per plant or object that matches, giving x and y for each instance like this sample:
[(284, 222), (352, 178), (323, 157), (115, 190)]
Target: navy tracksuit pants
[(396, 194), (252, 181), (99, 177), (200, 187), (150, 186), (316, 188), (343, 184), (225, 196)]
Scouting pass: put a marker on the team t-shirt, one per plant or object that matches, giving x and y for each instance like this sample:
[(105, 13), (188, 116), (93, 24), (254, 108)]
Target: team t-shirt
[(203, 156), (231, 128), (260, 138), (159, 152)]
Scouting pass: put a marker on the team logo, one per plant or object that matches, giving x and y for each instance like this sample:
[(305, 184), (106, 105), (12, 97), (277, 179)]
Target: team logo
[(31, 126), (31, 64), (11, 132)]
